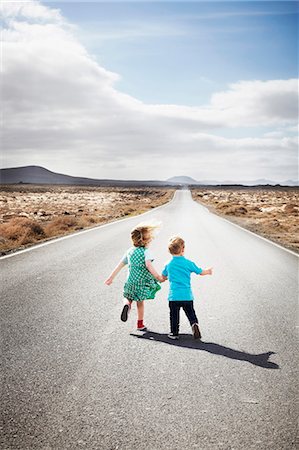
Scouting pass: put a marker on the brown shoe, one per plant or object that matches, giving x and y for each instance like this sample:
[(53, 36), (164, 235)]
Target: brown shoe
[(196, 331)]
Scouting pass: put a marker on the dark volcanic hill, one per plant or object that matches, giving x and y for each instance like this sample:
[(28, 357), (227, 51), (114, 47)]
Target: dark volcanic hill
[(40, 175)]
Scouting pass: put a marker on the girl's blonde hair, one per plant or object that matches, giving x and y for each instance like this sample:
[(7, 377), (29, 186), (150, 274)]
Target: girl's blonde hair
[(143, 234)]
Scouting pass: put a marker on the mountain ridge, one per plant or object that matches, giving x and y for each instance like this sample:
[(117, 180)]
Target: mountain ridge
[(40, 175)]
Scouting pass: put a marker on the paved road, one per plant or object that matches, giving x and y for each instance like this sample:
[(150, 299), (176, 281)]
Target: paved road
[(75, 377)]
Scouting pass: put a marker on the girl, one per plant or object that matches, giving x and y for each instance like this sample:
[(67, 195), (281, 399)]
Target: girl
[(142, 277)]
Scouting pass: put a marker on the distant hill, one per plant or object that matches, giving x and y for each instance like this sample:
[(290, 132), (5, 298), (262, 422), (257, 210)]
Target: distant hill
[(182, 180), (260, 182), (40, 175)]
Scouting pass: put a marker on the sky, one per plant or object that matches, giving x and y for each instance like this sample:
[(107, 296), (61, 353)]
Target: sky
[(151, 90)]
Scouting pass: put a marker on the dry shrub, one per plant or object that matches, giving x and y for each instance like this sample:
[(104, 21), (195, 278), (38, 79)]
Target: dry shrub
[(275, 223), (288, 227), (61, 225), (291, 208), (65, 224), (22, 231), (131, 210), (86, 221), (236, 211), (223, 206)]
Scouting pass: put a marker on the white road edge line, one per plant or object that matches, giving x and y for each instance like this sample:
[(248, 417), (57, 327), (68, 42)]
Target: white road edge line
[(250, 232), (52, 241)]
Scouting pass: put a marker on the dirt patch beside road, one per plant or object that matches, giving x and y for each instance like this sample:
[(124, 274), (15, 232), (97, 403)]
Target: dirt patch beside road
[(34, 213), (272, 213)]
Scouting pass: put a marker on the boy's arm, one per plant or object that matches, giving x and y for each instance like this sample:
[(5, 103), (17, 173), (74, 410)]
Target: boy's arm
[(207, 271), (153, 271), (114, 273)]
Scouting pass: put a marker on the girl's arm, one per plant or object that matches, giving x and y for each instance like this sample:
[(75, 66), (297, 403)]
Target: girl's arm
[(153, 271), (114, 273), (207, 271)]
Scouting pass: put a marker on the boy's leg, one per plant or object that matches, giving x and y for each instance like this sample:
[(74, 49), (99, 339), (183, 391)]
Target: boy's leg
[(190, 312), (174, 309), (191, 315), (125, 310)]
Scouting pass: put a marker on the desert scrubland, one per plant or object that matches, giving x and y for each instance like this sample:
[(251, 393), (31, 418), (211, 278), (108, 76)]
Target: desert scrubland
[(31, 213), (269, 212)]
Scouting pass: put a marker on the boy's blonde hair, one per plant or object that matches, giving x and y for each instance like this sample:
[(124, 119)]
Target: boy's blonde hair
[(143, 234), (176, 245)]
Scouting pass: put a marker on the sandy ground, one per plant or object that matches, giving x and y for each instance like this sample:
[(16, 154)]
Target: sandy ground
[(272, 213), (32, 213)]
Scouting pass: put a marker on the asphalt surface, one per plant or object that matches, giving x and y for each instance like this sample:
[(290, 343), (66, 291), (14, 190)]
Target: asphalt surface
[(74, 376)]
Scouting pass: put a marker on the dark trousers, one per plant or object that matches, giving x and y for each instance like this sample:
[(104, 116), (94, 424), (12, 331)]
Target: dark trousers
[(174, 308)]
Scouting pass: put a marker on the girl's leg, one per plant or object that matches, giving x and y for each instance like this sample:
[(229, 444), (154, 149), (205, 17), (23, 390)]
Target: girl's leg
[(140, 315), (125, 310), (140, 310), (127, 302)]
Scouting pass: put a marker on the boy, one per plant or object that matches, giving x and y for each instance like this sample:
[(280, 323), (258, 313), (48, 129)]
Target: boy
[(178, 272)]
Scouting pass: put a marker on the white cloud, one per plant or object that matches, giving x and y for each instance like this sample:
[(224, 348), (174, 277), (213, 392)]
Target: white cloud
[(63, 110), (29, 9), (244, 104), (265, 102)]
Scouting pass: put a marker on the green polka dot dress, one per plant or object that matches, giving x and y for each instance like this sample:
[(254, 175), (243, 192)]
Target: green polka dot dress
[(140, 284)]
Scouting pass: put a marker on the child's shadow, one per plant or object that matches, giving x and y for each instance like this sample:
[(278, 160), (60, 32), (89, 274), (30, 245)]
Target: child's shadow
[(187, 341)]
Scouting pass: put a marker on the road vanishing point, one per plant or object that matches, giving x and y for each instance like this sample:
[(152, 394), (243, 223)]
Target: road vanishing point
[(75, 377)]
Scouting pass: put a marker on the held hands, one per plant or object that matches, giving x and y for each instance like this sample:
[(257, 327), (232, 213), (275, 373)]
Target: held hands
[(161, 278)]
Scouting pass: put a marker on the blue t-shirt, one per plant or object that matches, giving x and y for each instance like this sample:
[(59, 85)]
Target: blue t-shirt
[(178, 271)]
